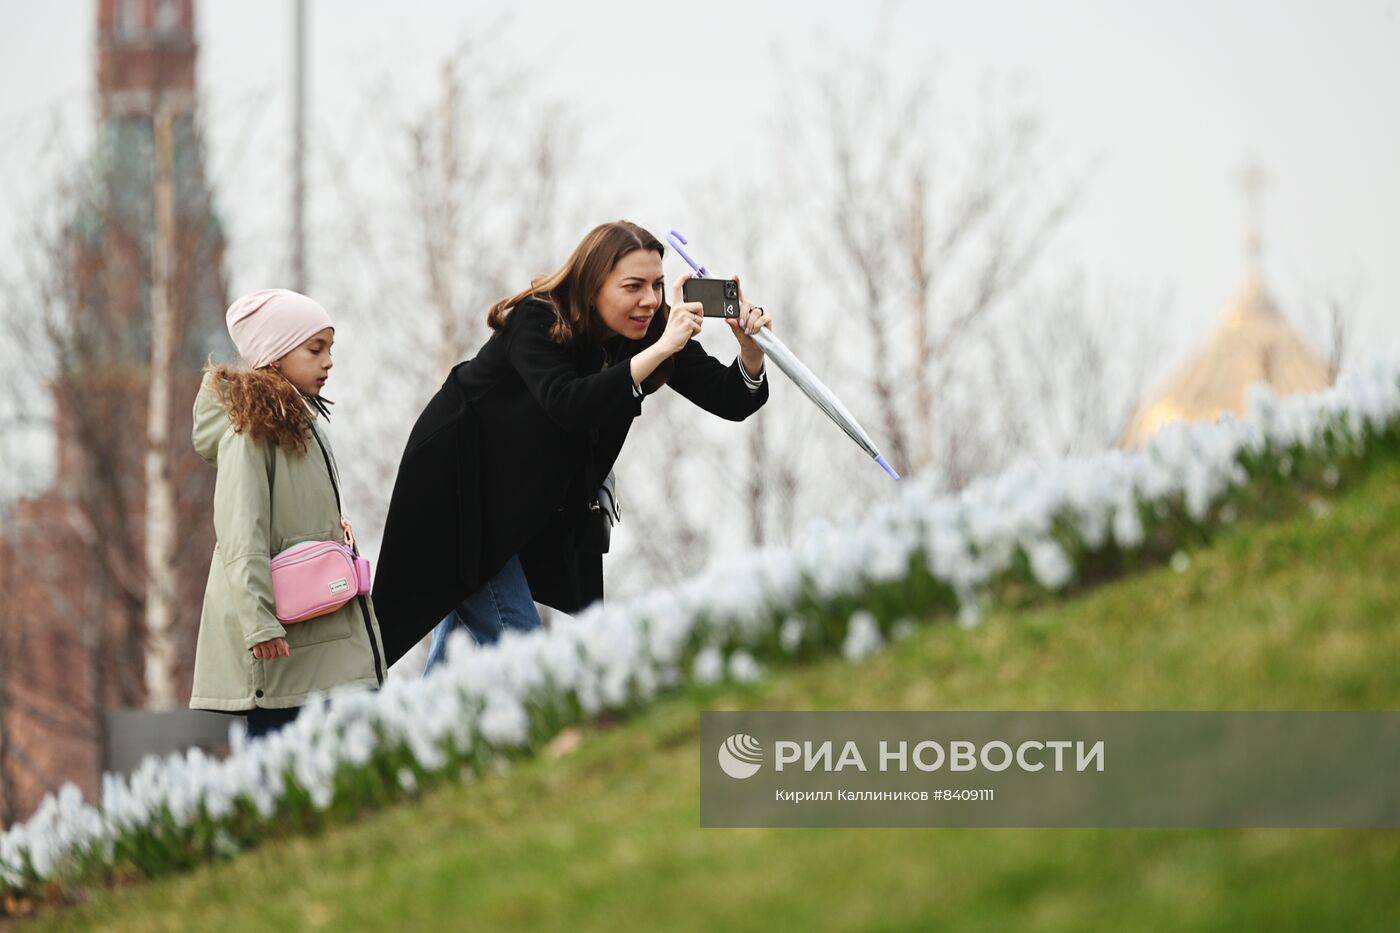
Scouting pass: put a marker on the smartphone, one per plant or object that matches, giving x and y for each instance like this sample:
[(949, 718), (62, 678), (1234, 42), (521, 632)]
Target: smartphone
[(719, 296)]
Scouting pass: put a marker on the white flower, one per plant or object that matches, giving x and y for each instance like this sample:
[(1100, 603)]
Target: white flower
[(1050, 564), (358, 743), (503, 721), (1127, 525), (708, 666), (459, 643), (862, 637), (743, 668), (790, 634)]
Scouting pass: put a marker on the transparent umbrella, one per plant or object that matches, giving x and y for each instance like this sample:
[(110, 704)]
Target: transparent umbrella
[(783, 358)]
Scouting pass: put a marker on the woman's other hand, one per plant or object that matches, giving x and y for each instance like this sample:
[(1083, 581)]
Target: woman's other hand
[(751, 318)]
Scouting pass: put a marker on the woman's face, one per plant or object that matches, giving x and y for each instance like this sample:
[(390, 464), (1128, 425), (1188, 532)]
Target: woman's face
[(631, 294), (309, 365)]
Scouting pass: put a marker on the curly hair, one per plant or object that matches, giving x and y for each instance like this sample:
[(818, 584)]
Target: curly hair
[(264, 404)]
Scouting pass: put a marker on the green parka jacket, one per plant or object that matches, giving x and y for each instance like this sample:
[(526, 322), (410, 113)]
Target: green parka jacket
[(266, 499)]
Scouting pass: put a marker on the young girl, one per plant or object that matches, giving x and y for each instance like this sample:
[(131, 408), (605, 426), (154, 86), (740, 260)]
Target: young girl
[(276, 486)]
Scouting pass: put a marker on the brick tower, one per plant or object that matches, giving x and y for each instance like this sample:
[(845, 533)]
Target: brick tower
[(72, 598)]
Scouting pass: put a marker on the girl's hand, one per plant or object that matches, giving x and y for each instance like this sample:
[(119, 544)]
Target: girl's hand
[(683, 322), (751, 318), (273, 648), (349, 534)]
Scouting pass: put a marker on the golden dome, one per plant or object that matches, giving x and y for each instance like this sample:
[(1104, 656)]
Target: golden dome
[(1252, 343)]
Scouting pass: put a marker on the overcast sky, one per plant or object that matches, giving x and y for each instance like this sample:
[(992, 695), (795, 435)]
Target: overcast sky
[(1169, 99)]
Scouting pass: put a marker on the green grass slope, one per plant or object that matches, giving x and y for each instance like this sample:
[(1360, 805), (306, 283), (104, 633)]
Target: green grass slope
[(1299, 614)]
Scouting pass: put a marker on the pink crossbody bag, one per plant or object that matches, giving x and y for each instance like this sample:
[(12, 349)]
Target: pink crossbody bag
[(316, 578)]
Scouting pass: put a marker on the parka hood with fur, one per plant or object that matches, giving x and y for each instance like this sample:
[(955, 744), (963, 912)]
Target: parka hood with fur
[(258, 402)]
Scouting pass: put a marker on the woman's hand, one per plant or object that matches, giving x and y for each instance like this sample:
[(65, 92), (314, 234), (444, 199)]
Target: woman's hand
[(273, 648), (349, 534), (751, 318), (684, 320)]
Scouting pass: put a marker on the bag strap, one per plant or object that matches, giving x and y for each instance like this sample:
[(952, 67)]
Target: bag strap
[(364, 609), (590, 472), (330, 471), (593, 486)]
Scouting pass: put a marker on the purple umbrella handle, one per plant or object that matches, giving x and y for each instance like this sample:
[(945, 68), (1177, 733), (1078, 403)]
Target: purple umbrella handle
[(678, 241)]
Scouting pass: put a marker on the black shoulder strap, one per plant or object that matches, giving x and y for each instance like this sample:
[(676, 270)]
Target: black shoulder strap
[(590, 471), (364, 609), (330, 471)]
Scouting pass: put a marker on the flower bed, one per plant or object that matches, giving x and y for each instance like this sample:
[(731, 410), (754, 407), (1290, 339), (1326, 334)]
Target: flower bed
[(1027, 534)]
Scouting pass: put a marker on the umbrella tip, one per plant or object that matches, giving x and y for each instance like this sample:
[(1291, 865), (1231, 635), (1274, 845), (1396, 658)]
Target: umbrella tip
[(880, 459)]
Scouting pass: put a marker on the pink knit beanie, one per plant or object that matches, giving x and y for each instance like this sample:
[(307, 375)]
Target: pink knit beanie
[(267, 325)]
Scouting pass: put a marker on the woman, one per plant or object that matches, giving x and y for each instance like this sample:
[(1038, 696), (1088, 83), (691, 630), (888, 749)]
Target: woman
[(496, 504)]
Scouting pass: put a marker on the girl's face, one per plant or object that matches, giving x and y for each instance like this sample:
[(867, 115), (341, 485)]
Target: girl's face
[(309, 365), (631, 294)]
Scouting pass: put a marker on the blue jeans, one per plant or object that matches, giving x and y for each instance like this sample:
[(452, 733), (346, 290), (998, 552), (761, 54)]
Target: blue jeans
[(503, 602)]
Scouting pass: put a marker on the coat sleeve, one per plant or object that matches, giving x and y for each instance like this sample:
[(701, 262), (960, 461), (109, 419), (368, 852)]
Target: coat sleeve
[(711, 385), (574, 402), (242, 520)]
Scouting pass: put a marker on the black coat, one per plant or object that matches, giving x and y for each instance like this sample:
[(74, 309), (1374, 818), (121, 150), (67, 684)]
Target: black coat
[(496, 464)]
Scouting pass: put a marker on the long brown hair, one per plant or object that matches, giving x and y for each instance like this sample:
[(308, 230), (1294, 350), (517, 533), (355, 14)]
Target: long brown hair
[(571, 289)]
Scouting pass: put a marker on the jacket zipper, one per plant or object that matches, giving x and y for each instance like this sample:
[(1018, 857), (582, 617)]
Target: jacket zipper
[(373, 645), (309, 555)]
